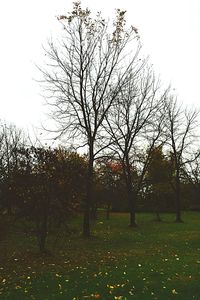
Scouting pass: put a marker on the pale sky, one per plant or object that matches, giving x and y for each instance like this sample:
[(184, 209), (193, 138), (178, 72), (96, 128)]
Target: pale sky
[(169, 31)]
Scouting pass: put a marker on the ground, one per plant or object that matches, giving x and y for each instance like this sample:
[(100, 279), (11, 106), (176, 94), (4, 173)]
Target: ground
[(154, 261)]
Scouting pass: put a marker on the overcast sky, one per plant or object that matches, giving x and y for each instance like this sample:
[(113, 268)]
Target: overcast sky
[(169, 31)]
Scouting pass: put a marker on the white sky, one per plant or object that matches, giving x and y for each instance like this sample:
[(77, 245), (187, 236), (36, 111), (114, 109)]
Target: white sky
[(169, 31)]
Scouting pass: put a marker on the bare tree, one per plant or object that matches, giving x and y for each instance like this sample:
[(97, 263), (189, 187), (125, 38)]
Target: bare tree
[(153, 138), (181, 134), (133, 116), (85, 72), (11, 139), (192, 176)]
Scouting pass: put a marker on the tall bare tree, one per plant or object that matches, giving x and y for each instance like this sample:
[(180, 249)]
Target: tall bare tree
[(181, 127), (86, 70), (133, 116)]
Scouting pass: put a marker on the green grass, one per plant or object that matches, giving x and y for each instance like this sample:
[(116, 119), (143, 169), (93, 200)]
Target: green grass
[(153, 261)]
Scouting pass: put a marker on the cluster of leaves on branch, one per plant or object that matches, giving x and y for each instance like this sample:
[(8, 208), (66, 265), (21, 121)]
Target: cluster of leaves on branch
[(50, 178)]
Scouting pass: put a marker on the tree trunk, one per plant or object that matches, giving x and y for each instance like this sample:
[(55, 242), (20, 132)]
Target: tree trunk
[(157, 207), (89, 183), (130, 194), (108, 211), (93, 212), (158, 218), (178, 200), (86, 221), (132, 212), (9, 201), (9, 208), (131, 200), (42, 235)]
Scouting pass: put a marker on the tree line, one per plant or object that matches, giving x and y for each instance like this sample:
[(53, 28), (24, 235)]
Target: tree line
[(47, 187)]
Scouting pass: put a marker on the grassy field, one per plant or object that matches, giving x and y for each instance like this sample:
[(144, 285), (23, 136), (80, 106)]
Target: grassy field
[(153, 261)]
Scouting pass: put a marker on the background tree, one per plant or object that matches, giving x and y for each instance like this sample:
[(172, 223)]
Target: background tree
[(151, 137), (181, 134), (85, 72), (110, 176), (192, 181), (158, 178), (11, 138), (50, 187), (131, 116)]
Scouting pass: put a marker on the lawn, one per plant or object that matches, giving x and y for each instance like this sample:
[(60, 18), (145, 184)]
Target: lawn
[(153, 261)]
